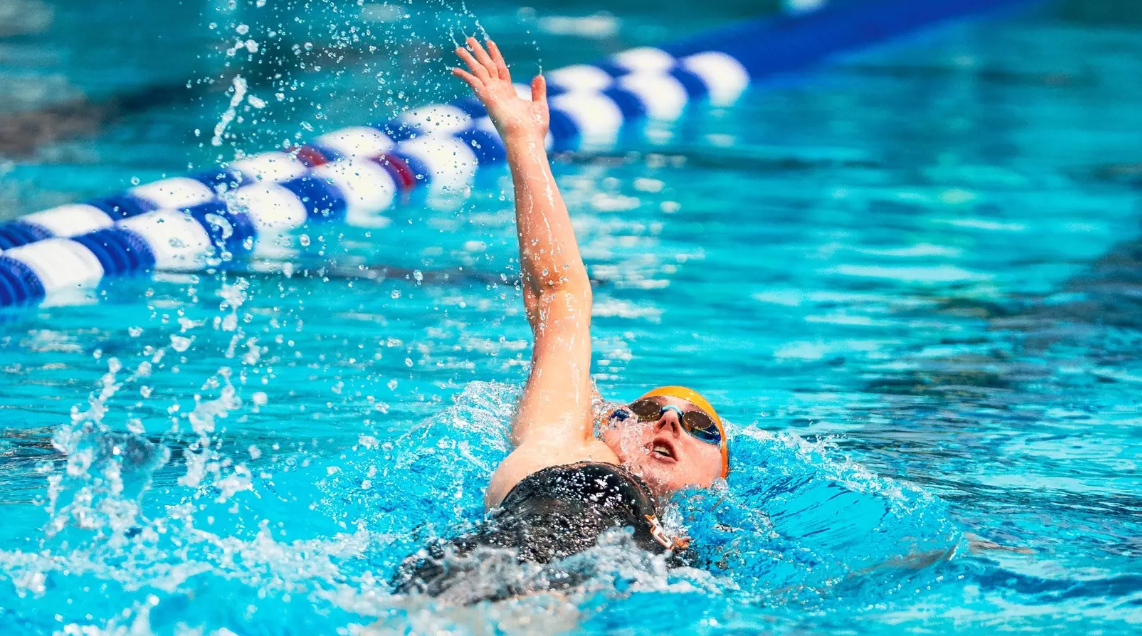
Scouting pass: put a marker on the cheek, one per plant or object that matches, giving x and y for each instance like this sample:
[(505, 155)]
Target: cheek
[(707, 465), (626, 440)]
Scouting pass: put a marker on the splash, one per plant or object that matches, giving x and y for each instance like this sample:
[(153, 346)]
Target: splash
[(232, 542), (106, 471), (797, 517), (238, 89)]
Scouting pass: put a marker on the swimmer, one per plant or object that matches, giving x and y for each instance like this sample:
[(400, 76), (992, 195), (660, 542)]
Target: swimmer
[(563, 486)]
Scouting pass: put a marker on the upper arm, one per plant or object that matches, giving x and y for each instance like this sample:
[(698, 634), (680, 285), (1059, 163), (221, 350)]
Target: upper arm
[(556, 402), (553, 424)]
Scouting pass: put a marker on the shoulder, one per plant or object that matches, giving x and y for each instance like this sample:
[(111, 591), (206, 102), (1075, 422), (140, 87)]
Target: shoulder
[(533, 457)]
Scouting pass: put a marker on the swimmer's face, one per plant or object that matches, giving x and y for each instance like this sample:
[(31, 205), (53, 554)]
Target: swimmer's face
[(662, 453)]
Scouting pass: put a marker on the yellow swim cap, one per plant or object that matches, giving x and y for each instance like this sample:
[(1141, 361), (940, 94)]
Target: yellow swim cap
[(695, 398)]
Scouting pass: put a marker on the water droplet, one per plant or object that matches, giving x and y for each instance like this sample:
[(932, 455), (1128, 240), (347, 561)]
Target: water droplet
[(179, 343), (224, 227)]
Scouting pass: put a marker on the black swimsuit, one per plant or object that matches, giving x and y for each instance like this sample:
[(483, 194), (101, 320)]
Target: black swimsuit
[(549, 515)]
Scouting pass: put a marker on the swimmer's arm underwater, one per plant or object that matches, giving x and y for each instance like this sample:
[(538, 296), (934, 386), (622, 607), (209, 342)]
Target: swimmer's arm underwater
[(553, 424)]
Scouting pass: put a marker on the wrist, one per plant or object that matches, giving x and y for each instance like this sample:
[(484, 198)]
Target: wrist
[(524, 138)]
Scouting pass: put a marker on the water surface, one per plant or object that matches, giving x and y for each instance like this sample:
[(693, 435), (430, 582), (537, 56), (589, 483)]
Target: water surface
[(907, 279)]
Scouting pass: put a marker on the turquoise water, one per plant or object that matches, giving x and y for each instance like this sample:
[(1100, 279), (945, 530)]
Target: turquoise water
[(908, 280)]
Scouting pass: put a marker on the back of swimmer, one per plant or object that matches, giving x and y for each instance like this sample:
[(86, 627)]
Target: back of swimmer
[(562, 487)]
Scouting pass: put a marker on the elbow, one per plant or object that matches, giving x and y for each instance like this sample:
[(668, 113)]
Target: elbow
[(562, 304), (570, 291), (573, 282)]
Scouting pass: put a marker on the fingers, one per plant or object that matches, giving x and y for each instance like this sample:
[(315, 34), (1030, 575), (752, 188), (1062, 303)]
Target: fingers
[(470, 79), (483, 56), (539, 90), (477, 69), (498, 58)]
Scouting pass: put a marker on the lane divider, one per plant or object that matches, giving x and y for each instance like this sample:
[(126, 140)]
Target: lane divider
[(350, 175)]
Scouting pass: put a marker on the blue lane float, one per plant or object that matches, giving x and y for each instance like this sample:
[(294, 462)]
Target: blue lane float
[(351, 175)]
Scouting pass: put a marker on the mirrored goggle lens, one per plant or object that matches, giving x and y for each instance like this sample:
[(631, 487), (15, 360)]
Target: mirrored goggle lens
[(696, 423), (646, 410), (701, 426)]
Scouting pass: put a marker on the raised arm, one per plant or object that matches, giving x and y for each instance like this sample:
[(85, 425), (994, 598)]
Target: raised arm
[(553, 423)]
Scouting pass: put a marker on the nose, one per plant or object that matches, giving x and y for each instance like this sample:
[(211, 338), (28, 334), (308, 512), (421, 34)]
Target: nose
[(669, 418)]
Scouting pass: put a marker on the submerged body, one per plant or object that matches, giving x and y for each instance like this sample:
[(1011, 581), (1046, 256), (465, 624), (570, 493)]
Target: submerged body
[(550, 515)]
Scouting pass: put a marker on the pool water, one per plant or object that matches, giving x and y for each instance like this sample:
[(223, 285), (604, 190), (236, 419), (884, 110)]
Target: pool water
[(908, 279)]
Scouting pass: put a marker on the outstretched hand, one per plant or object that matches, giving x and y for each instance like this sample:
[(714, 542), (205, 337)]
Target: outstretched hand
[(513, 116)]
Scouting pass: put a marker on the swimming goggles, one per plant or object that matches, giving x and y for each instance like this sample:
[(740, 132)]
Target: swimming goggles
[(695, 422)]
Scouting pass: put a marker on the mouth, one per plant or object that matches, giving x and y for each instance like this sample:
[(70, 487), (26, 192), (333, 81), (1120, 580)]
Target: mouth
[(663, 450)]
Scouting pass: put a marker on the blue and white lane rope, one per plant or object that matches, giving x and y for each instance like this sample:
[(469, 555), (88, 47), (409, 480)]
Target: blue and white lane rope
[(347, 176)]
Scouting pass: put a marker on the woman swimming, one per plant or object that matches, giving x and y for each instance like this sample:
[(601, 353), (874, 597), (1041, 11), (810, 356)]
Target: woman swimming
[(562, 486)]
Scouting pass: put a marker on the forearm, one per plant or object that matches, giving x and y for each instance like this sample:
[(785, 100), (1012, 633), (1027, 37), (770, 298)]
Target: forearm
[(552, 424), (548, 251)]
